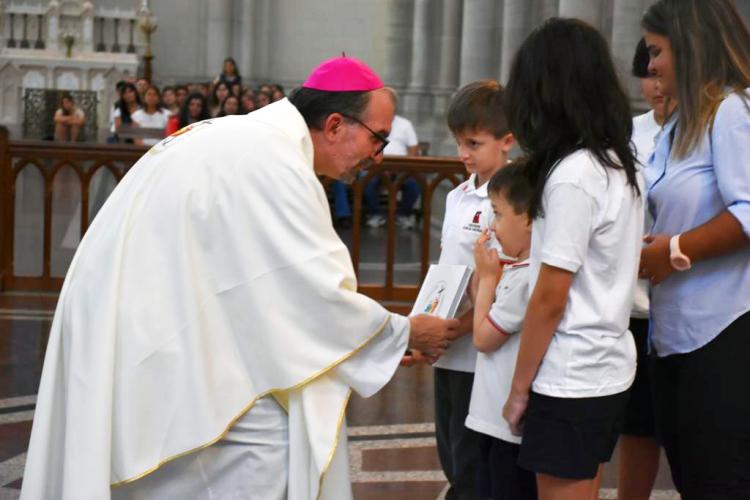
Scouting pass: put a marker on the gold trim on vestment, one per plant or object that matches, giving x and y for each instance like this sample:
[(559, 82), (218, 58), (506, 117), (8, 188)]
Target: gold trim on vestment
[(252, 403), (342, 415)]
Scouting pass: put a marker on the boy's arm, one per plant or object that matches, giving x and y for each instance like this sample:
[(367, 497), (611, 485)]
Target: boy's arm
[(486, 337)]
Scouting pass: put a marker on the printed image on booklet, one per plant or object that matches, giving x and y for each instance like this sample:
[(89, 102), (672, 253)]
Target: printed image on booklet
[(442, 290)]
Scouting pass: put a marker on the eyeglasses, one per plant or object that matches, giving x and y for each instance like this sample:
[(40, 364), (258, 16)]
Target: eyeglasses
[(382, 139)]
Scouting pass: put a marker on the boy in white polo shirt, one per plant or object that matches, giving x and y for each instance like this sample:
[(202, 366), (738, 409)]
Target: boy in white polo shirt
[(499, 308), (477, 121)]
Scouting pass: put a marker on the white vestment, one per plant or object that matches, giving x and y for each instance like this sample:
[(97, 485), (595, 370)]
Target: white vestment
[(211, 278)]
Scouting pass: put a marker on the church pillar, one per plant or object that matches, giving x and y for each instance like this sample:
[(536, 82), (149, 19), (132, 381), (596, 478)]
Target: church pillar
[(245, 48), (586, 10), (87, 21), (401, 30), (450, 44), (626, 31), (218, 32), (53, 24), (479, 46), (516, 24)]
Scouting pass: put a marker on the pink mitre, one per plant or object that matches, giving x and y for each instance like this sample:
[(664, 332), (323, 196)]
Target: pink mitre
[(343, 74)]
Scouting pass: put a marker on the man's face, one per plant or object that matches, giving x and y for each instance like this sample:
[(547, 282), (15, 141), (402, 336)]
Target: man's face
[(356, 147)]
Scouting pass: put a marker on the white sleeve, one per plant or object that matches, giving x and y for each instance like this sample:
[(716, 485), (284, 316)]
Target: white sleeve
[(411, 135), (371, 368), (569, 214), (511, 298)]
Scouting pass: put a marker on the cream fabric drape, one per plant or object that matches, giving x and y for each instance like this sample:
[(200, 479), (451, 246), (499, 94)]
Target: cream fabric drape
[(211, 277)]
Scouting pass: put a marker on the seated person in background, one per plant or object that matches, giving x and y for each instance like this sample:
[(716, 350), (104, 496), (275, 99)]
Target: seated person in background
[(220, 93), (248, 100), (231, 106), (277, 92), (69, 119), (229, 74), (129, 104), (169, 100), (262, 98), (151, 116), (181, 93), (401, 142), (194, 110)]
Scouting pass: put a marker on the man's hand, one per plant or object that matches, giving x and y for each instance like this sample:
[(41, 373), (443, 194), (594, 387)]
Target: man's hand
[(655, 264), (431, 335), (414, 357)]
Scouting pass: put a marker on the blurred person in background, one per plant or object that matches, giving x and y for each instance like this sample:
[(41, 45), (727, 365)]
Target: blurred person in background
[(151, 116), (69, 119), (194, 110)]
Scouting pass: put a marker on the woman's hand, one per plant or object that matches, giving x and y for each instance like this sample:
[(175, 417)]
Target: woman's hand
[(655, 265), (514, 411)]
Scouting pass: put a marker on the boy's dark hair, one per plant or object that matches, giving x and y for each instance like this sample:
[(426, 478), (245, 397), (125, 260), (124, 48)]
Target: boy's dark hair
[(478, 106), (316, 105), (564, 95), (512, 182), (640, 60)]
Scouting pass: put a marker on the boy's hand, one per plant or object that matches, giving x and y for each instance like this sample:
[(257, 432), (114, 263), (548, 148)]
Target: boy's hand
[(486, 261), (514, 411)]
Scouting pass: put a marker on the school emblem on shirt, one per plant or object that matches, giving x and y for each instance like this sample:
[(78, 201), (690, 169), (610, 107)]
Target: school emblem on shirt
[(474, 224)]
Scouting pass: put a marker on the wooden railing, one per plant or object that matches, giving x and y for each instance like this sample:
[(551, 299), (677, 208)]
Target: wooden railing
[(86, 160)]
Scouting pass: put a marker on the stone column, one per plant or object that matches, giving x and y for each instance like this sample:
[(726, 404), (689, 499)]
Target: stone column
[(626, 31), (218, 32), (401, 28), (450, 44), (87, 21), (3, 26), (247, 17), (53, 25), (516, 25), (420, 46), (587, 10), (479, 41)]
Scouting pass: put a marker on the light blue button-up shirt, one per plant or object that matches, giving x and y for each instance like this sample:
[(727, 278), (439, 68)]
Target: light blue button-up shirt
[(690, 308)]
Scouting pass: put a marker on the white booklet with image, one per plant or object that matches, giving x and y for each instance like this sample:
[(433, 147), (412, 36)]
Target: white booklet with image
[(442, 290)]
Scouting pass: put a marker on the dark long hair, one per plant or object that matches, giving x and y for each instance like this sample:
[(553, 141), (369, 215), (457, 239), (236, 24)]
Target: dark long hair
[(564, 95), (185, 118), (711, 51), (124, 110)]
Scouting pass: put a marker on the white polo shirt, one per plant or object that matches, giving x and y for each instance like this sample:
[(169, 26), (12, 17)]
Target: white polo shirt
[(645, 129), (494, 370), (592, 227), (402, 137), (468, 212)]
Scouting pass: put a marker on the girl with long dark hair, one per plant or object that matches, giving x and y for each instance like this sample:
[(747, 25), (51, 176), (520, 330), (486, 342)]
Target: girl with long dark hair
[(129, 103), (194, 109), (698, 254), (568, 112)]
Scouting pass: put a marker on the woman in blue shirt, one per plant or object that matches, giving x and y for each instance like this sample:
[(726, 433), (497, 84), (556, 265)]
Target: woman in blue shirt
[(698, 254)]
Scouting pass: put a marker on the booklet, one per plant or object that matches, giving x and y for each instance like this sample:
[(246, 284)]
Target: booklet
[(442, 290)]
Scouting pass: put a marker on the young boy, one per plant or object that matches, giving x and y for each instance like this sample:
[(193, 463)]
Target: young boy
[(477, 121), (499, 309)]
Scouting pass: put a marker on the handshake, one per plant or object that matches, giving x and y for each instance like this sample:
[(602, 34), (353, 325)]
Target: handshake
[(429, 337)]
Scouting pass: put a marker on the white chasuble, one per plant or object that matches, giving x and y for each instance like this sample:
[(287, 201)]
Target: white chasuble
[(210, 278)]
